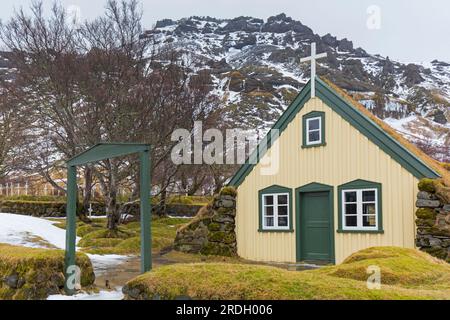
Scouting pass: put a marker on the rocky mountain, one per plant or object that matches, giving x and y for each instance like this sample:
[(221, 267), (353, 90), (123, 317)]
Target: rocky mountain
[(254, 68)]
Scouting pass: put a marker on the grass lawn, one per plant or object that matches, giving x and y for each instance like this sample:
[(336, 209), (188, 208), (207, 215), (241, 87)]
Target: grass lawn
[(405, 274), (97, 239)]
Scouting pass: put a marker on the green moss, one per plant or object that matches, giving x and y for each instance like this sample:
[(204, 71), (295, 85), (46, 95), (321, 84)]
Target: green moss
[(120, 233), (218, 236), (228, 191), (214, 226), (100, 242), (426, 213), (427, 185), (96, 239), (440, 253), (131, 244), (222, 210), (425, 223), (406, 274), (87, 228), (435, 231)]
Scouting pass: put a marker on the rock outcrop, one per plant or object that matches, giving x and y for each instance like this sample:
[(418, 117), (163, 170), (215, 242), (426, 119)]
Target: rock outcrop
[(212, 231)]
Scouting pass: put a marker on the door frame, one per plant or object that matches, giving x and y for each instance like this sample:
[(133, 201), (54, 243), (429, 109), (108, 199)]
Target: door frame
[(310, 188)]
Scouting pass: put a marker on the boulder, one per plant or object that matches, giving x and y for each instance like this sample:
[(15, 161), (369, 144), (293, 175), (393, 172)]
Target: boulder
[(412, 75), (421, 203), (426, 195), (345, 45)]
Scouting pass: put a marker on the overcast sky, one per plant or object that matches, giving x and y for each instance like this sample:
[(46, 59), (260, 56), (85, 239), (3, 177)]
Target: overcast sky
[(405, 30)]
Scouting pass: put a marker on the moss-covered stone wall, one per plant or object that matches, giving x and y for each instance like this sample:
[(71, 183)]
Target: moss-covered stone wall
[(58, 209), (433, 219), (42, 208), (34, 274), (212, 231)]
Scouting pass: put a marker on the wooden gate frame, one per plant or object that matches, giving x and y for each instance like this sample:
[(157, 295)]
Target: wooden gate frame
[(103, 151)]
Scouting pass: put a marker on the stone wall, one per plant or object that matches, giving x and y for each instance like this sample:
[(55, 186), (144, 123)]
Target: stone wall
[(212, 231), (433, 221), (58, 209), (132, 210), (42, 208)]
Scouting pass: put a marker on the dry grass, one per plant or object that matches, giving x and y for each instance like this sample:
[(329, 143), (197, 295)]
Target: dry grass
[(405, 274), (434, 164)]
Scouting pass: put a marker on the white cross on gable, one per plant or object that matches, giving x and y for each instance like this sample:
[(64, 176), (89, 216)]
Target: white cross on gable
[(313, 59)]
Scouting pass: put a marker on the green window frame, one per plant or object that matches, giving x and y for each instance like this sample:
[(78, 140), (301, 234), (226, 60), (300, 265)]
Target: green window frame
[(275, 192), (307, 120), (359, 206)]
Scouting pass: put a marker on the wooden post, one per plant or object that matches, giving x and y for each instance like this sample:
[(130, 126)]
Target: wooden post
[(71, 215), (146, 215)]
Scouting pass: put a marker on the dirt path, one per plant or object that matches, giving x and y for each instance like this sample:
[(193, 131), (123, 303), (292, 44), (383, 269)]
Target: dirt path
[(118, 275)]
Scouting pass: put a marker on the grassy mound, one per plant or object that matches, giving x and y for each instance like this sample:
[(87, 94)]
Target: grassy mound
[(399, 266), (30, 274), (405, 274), (96, 239)]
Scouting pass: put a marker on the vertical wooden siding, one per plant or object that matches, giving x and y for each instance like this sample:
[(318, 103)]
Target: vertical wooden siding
[(348, 156)]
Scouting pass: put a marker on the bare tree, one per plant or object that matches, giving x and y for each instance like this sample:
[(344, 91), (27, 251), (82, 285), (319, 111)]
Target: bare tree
[(103, 82)]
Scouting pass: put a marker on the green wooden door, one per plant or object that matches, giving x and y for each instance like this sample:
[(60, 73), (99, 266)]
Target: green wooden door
[(315, 233)]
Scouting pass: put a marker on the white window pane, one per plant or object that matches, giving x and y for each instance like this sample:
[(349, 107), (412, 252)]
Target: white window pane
[(314, 136), (368, 208), (269, 221), (351, 209), (314, 124), (350, 196), (282, 210), (350, 221), (369, 221), (268, 211), (368, 196), (282, 199), (268, 200), (283, 221)]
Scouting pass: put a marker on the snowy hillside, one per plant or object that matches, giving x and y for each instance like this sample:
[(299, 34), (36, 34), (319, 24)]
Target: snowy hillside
[(255, 70)]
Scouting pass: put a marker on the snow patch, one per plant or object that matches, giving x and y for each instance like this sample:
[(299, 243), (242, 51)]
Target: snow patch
[(102, 295), (17, 229)]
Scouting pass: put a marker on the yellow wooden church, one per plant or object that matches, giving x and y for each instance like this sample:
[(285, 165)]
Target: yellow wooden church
[(340, 181)]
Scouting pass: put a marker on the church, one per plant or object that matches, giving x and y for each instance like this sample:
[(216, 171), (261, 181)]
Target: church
[(343, 181)]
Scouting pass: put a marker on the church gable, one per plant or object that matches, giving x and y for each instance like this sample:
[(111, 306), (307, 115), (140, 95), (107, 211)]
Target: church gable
[(313, 134)]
